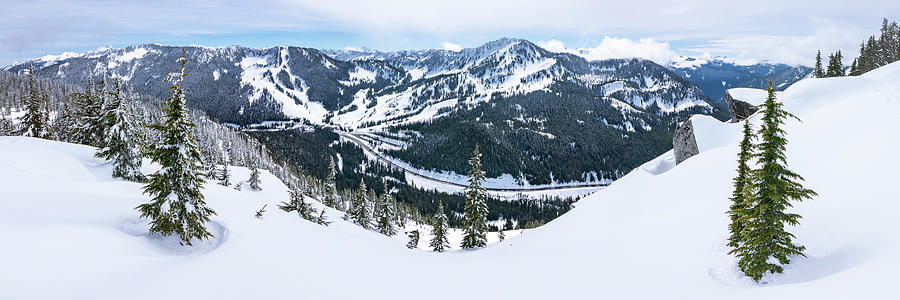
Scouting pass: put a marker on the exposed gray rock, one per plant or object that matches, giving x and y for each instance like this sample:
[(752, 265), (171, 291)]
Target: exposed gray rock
[(739, 109), (684, 142)]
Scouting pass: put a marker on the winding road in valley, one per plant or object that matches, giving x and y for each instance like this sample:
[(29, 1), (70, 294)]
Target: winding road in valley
[(354, 137)]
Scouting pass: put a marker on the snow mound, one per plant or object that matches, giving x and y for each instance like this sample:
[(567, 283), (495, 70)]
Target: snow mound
[(657, 233), (749, 95)]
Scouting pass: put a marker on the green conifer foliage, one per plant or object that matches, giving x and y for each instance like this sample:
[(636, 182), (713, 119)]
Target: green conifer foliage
[(34, 121), (765, 244), (439, 241), (741, 186), (330, 186), (120, 139), (384, 213), (413, 239), (835, 65), (89, 127), (254, 180), (224, 176), (176, 205), (476, 209), (819, 72), (359, 208)]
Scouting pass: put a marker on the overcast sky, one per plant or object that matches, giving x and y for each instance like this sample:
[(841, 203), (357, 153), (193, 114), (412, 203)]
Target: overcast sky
[(779, 31)]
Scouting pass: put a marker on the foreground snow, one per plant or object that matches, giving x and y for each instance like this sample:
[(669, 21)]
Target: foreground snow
[(70, 232)]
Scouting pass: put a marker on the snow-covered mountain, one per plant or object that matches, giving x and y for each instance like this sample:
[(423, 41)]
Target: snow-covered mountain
[(715, 75), (70, 231), (353, 87), (526, 103)]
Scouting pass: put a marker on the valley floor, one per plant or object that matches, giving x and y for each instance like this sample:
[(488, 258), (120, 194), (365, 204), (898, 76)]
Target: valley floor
[(71, 232)]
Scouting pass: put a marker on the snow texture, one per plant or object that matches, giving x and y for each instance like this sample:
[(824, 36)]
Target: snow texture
[(71, 232)]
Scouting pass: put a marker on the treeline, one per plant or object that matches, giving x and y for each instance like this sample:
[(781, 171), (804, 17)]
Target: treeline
[(875, 52), (314, 152)]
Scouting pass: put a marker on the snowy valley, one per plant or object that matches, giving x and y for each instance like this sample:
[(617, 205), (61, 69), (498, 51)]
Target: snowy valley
[(658, 232)]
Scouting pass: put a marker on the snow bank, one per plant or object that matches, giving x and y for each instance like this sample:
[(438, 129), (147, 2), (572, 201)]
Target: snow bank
[(71, 233), (749, 95)]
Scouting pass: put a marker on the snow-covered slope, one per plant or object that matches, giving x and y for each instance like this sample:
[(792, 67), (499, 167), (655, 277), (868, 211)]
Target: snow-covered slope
[(657, 233)]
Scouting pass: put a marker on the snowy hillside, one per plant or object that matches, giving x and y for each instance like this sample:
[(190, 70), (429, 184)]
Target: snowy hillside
[(657, 233)]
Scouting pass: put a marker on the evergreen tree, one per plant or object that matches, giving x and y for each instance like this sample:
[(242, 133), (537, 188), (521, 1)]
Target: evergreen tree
[(298, 203), (176, 205), (413, 239), (259, 213), (119, 141), (819, 73), (439, 230), (476, 209), (34, 122), (739, 197), (500, 235), (254, 180), (359, 208), (330, 189), (224, 176), (89, 127), (854, 69), (765, 243), (835, 65), (384, 213)]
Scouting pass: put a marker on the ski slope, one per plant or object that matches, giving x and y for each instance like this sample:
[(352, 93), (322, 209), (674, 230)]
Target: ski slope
[(70, 232)]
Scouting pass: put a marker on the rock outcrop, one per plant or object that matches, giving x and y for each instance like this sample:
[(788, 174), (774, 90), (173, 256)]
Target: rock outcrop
[(684, 143), (739, 108)]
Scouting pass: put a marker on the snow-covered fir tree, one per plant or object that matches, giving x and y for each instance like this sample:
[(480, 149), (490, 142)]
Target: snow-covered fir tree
[(742, 188), (177, 205), (89, 127), (476, 209), (120, 140), (254, 180), (500, 234), (330, 188), (384, 213), (298, 203), (439, 229), (413, 239), (765, 244), (34, 122), (224, 176), (359, 207)]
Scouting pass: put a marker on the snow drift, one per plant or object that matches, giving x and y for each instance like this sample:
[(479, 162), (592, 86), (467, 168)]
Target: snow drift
[(70, 231)]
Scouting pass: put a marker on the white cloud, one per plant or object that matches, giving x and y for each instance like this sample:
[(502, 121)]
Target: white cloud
[(611, 47), (451, 46), (827, 36), (36, 27)]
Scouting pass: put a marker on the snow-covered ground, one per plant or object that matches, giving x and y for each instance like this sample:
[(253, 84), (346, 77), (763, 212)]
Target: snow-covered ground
[(70, 232)]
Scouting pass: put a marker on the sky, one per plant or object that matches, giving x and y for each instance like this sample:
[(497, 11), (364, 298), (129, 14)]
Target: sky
[(748, 31)]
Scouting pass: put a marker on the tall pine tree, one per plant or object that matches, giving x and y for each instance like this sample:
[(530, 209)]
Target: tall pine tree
[(330, 189), (254, 180), (739, 197), (819, 72), (384, 213), (176, 205), (34, 121), (89, 127), (765, 244), (224, 176), (439, 230), (835, 65), (120, 139), (476, 209), (359, 207)]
